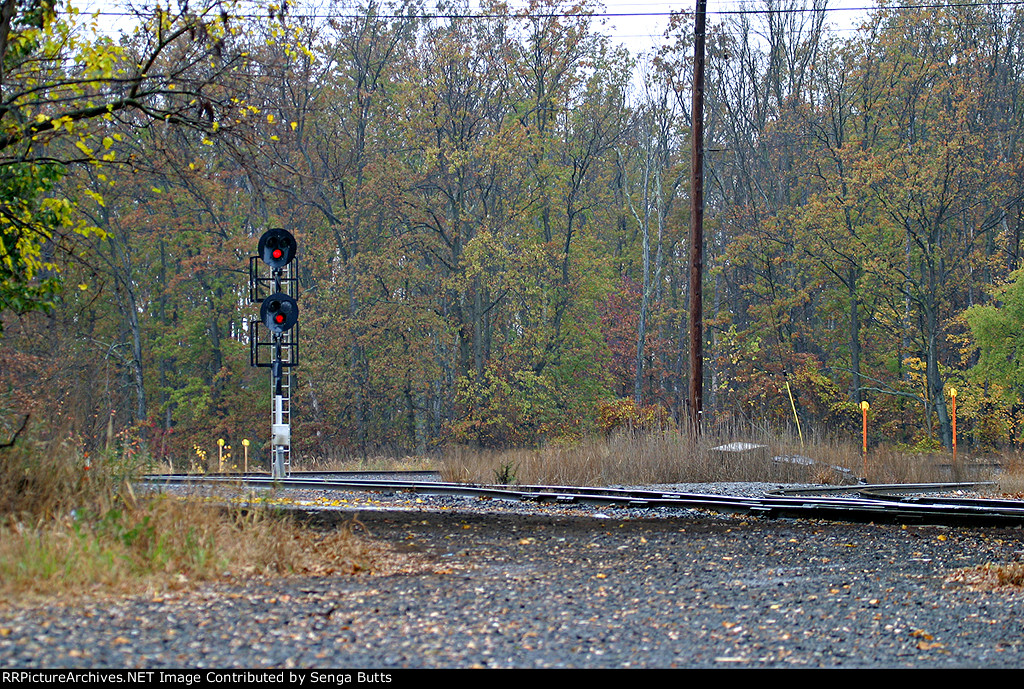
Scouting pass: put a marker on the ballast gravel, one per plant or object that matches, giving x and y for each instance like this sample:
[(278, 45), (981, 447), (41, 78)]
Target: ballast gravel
[(529, 587)]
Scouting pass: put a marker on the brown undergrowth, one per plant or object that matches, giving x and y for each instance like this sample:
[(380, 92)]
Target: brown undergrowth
[(724, 454), (71, 524), (1011, 475), (650, 457), (1007, 577)]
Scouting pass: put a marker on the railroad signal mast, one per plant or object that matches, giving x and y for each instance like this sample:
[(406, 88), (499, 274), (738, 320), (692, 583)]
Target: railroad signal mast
[(278, 348)]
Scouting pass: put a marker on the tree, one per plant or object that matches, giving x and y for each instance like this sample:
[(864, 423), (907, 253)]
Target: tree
[(65, 88), (998, 331)]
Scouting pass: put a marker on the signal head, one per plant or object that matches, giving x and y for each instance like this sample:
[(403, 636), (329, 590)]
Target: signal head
[(279, 313), (277, 247)]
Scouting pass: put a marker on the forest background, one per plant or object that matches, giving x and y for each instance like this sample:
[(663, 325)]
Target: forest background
[(492, 206)]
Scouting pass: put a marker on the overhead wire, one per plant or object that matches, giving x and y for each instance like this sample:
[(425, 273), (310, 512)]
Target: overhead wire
[(728, 8), (525, 14)]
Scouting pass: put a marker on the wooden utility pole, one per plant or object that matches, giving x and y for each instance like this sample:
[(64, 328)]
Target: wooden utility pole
[(696, 397)]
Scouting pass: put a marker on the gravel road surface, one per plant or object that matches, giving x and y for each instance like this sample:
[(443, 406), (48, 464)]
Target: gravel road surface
[(566, 589)]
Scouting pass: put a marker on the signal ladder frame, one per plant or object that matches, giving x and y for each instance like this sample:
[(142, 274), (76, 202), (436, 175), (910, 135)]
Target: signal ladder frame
[(284, 348)]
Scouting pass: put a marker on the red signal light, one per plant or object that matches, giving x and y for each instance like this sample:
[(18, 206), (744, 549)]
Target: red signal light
[(277, 248), (279, 312)]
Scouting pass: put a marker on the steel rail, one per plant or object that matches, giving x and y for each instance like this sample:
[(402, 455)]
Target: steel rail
[(422, 475), (987, 503), (541, 494), (425, 474), (883, 488), (534, 493), (856, 508)]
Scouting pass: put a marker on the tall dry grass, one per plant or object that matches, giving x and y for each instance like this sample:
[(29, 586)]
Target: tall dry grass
[(667, 456), (1011, 476), (634, 458), (68, 524)]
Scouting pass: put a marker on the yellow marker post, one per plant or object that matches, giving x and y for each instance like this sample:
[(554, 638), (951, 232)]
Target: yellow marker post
[(220, 455), (952, 397), (245, 444), (795, 416), (864, 411)]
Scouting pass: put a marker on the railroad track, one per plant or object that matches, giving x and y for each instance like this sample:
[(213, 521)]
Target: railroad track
[(866, 503), (406, 475)]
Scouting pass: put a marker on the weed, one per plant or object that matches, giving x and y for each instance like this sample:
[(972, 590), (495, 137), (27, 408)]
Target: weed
[(505, 474), (70, 523)]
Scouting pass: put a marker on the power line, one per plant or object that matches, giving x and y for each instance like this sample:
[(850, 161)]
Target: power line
[(602, 15)]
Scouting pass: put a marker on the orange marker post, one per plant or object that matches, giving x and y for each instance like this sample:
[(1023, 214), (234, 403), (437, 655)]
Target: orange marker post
[(864, 410), (245, 444), (220, 455)]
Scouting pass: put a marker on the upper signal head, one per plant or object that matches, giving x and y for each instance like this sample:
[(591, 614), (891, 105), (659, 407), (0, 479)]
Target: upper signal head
[(277, 247)]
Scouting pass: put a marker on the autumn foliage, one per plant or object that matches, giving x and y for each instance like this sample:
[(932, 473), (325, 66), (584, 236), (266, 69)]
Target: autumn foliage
[(491, 215)]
